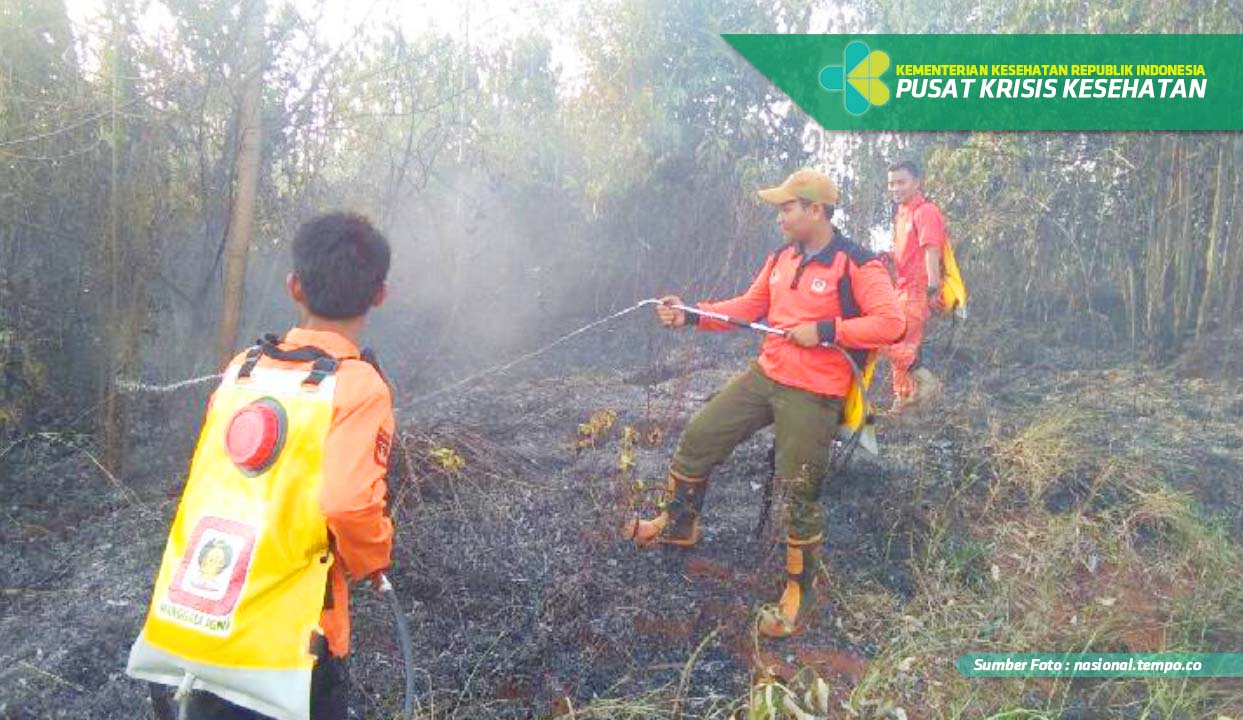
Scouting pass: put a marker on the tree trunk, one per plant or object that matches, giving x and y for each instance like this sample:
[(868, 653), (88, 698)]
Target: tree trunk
[(1210, 253), (1233, 256), (246, 184), (111, 417), (1155, 253)]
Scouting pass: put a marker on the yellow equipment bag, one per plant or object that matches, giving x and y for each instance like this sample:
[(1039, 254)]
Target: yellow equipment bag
[(953, 289), (856, 416), (242, 583)]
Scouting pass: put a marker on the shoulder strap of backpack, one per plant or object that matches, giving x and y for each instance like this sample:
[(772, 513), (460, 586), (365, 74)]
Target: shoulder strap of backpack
[(368, 356), (845, 292), (322, 364)]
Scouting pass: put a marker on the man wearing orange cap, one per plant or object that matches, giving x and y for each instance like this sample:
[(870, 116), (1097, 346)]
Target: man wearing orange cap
[(819, 288), (918, 237)]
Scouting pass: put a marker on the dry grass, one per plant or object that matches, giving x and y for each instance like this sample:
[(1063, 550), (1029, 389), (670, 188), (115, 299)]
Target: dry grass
[(1050, 447), (1131, 565), (1077, 544)]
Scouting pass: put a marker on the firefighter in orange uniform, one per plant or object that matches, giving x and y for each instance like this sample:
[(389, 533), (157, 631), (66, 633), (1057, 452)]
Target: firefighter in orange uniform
[(819, 288), (285, 503), (918, 242)]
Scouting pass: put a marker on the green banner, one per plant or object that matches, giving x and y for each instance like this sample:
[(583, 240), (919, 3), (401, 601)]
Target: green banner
[(1006, 82), (1113, 665)]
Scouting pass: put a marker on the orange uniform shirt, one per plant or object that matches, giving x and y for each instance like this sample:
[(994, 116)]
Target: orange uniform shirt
[(355, 463), (794, 288), (916, 225)]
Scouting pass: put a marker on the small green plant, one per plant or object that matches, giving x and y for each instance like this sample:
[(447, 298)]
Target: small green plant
[(448, 459), (595, 429)]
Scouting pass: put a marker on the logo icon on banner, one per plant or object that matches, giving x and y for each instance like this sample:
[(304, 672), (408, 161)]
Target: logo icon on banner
[(858, 78)]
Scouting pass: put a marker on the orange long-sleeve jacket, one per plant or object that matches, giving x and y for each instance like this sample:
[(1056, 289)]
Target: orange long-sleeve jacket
[(355, 461), (917, 224), (794, 288)]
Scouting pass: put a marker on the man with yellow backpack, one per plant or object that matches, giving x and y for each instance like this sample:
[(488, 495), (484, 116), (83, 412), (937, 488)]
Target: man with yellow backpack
[(824, 299), (284, 504), (927, 279)]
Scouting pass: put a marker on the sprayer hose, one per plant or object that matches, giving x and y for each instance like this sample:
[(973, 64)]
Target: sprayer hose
[(407, 645)]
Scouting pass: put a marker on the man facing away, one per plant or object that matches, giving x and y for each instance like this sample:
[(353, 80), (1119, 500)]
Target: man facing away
[(286, 498), (819, 288)]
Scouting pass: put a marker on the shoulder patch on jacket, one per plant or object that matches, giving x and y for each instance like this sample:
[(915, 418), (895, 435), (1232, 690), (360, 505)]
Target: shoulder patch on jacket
[(383, 448)]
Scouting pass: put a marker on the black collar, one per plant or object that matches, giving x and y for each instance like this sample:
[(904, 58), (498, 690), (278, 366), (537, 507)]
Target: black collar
[(826, 254)]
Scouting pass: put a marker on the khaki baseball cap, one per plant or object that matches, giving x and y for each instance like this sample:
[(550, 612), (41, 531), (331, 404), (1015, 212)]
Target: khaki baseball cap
[(803, 185)]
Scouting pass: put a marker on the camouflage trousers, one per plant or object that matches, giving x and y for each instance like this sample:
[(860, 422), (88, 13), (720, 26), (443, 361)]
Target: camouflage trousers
[(805, 425)]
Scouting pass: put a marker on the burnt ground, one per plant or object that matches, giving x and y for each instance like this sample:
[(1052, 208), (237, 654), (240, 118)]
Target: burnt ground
[(524, 602)]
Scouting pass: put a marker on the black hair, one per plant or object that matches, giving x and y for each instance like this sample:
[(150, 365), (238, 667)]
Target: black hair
[(342, 262), (212, 545), (907, 165), (828, 209)]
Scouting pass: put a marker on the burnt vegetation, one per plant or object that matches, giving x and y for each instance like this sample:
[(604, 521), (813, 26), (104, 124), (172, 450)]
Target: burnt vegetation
[(1078, 488)]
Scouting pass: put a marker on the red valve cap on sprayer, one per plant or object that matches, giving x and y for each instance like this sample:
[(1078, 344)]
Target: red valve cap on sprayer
[(256, 435)]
